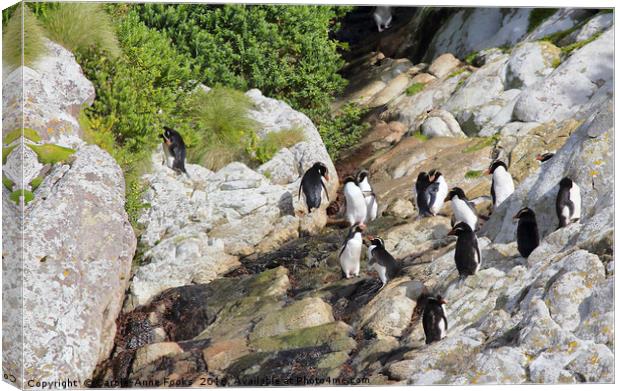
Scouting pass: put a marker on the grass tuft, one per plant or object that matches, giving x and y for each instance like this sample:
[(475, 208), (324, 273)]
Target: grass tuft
[(472, 174), (28, 196), (51, 153), (469, 59), (457, 72), (414, 88), (275, 141), (567, 50), (28, 133), (36, 182), (32, 40), (7, 183), (420, 136), (482, 142), (539, 15), (81, 26)]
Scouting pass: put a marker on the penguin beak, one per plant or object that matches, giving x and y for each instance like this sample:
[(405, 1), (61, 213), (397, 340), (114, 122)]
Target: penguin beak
[(539, 157), (327, 177), (487, 171), (443, 301), (452, 232), (515, 216)]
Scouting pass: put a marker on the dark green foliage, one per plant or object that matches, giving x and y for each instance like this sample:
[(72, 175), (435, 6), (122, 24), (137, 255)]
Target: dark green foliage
[(343, 129), (539, 15)]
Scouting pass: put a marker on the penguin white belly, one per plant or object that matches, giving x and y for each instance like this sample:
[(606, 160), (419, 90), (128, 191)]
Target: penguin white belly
[(356, 205), (575, 197), (350, 258), (503, 185), (442, 192), (382, 271), (372, 247), (443, 327), (477, 256), (463, 213), (371, 208)]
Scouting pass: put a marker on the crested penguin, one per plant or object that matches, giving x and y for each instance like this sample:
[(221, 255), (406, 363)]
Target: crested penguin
[(351, 252), (527, 232), (437, 191), (568, 202), (434, 319), (462, 208), (421, 197), (382, 17), (356, 204), (467, 253), (313, 186), (174, 147), (381, 260), (543, 157), (502, 185), (369, 195)]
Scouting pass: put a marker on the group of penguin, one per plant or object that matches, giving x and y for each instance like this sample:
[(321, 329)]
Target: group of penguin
[(430, 194)]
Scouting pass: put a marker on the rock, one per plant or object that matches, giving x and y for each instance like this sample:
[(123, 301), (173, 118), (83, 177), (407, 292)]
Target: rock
[(221, 355), (571, 86), (595, 25), (416, 237), (424, 78), (491, 117), (443, 65), (530, 62), (300, 314), (486, 56), (336, 335), (563, 19), (393, 88), (401, 208), (150, 353), (441, 123), (472, 30), (281, 169)]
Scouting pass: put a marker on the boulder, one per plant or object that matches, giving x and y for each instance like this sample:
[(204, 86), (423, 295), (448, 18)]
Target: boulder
[(530, 62), (593, 26), (441, 123), (562, 20), (443, 65)]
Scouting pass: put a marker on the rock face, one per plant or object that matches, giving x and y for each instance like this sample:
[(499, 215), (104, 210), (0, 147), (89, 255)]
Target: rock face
[(76, 264), (198, 227)]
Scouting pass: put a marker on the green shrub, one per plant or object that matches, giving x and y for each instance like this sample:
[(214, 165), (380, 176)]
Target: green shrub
[(343, 129), (414, 88), (51, 153), (80, 26), (32, 39), (284, 50), (539, 15), (275, 141)]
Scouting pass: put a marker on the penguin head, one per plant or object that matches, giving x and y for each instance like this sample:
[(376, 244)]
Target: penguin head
[(350, 179), (423, 178), (434, 175), (363, 174), (455, 192), (356, 229), (543, 157), (459, 229), (167, 136), (525, 213), (440, 299), (321, 169), (566, 183), (495, 165), (377, 241)]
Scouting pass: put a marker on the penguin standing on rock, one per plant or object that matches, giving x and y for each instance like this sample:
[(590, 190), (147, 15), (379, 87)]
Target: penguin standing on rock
[(467, 253), (174, 147), (313, 186), (527, 232), (351, 252), (502, 185), (369, 195), (382, 17), (421, 184), (381, 260), (434, 319), (437, 191), (568, 202), (356, 203), (462, 208)]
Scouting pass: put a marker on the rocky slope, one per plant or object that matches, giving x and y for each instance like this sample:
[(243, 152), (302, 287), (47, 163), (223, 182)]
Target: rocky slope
[(234, 284), (278, 310)]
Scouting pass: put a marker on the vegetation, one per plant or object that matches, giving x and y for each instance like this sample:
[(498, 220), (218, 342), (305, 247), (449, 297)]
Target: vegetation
[(420, 136), (457, 72), (472, 174), (275, 141), (28, 196), (414, 89), (36, 182), (6, 151), (80, 26), (7, 183), (32, 39), (51, 153), (567, 50), (471, 57), (539, 15), (481, 142), (343, 129), (28, 133)]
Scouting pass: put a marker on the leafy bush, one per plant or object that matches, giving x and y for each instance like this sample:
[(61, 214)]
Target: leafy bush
[(32, 39), (79, 26), (275, 141), (342, 129)]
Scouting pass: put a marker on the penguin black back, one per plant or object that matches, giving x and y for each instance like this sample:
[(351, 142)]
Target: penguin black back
[(176, 146), (313, 186), (527, 232), (421, 184), (563, 202), (434, 319), (383, 258), (467, 253)]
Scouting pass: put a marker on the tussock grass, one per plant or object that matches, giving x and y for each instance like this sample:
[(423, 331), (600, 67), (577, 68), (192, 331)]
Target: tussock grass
[(32, 39), (80, 26), (275, 141)]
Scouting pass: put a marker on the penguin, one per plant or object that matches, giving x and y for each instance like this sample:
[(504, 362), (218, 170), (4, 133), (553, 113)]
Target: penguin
[(381, 260), (568, 202), (382, 17), (421, 184), (434, 319), (174, 147), (369, 195), (462, 208), (437, 191), (502, 185), (356, 204), (467, 253), (351, 252), (543, 157), (313, 186), (527, 232)]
